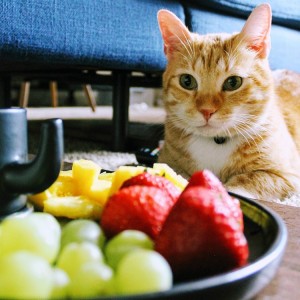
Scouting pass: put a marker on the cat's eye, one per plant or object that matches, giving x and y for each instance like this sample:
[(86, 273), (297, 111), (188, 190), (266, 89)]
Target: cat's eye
[(232, 83), (188, 82)]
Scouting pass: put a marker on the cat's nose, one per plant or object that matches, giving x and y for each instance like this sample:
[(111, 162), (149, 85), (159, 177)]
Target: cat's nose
[(207, 113)]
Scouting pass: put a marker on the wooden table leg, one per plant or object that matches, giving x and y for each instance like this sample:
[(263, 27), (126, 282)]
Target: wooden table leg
[(54, 94), (90, 96), (24, 94)]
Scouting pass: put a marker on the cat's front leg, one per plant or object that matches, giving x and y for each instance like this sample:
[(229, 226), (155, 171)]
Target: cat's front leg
[(264, 185)]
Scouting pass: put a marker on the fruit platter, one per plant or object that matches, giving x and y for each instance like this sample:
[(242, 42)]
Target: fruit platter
[(139, 233)]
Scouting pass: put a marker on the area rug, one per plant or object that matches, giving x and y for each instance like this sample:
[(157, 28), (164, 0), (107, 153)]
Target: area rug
[(75, 149)]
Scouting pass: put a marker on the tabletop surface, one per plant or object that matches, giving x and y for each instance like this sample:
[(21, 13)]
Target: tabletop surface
[(286, 283)]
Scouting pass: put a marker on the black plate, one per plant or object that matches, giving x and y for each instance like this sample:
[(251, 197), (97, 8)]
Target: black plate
[(267, 237)]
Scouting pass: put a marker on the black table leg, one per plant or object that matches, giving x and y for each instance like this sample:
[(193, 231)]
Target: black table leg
[(120, 120), (5, 97)]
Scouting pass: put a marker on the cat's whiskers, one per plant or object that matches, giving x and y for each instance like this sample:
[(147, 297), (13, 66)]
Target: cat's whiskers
[(185, 45), (256, 132), (192, 47), (246, 119), (228, 133), (240, 132), (186, 59), (174, 119), (190, 44), (234, 50), (233, 53), (249, 132), (231, 56)]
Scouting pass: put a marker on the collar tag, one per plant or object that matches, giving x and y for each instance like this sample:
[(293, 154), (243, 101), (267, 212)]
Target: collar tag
[(220, 140)]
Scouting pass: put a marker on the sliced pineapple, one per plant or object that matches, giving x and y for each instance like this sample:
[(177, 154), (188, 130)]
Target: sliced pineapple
[(167, 172), (38, 199), (64, 186), (85, 173), (72, 207), (83, 191), (65, 174), (99, 191), (123, 173)]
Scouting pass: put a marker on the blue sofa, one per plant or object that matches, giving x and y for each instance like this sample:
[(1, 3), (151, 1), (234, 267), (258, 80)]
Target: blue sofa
[(72, 39)]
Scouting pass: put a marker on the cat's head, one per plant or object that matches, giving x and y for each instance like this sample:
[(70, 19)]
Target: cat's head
[(217, 84)]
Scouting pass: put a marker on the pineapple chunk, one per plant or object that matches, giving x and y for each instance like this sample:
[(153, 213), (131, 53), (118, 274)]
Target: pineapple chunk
[(99, 191), (38, 199), (122, 174), (72, 207), (85, 173), (64, 185), (83, 191), (65, 174), (171, 175), (64, 188)]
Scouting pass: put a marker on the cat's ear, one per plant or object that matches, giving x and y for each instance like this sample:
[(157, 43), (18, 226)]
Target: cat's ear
[(256, 31), (173, 31)]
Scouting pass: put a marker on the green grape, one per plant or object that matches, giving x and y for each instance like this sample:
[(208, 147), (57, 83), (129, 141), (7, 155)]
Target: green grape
[(74, 255), (81, 230), (61, 283), (110, 289), (24, 275), (125, 242), (91, 280), (38, 233), (143, 271)]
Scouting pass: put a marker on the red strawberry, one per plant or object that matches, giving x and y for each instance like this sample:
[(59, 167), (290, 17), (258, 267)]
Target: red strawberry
[(148, 179), (136, 207), (200, 237), (208, 180)]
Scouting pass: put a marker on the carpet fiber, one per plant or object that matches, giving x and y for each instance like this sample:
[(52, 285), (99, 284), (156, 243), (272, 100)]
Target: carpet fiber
[(75, 148)]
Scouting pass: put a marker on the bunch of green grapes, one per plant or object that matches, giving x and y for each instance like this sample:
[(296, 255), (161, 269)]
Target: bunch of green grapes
[(43, 259)]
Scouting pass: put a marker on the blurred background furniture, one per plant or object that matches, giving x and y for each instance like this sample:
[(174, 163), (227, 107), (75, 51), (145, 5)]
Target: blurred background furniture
[(71, 40)]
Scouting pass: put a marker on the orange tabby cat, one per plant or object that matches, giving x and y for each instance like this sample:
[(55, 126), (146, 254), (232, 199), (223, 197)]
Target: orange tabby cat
[(224, 112)]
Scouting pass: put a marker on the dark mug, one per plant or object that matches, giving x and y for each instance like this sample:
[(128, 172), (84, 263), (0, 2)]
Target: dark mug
[(18, 176)]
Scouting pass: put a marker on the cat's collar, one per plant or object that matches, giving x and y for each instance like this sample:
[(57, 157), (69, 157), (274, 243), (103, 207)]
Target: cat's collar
[(220, 140)]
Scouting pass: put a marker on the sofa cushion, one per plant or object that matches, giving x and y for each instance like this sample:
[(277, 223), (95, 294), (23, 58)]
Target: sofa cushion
[(285, 42), (285, 13), (104, 34)]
